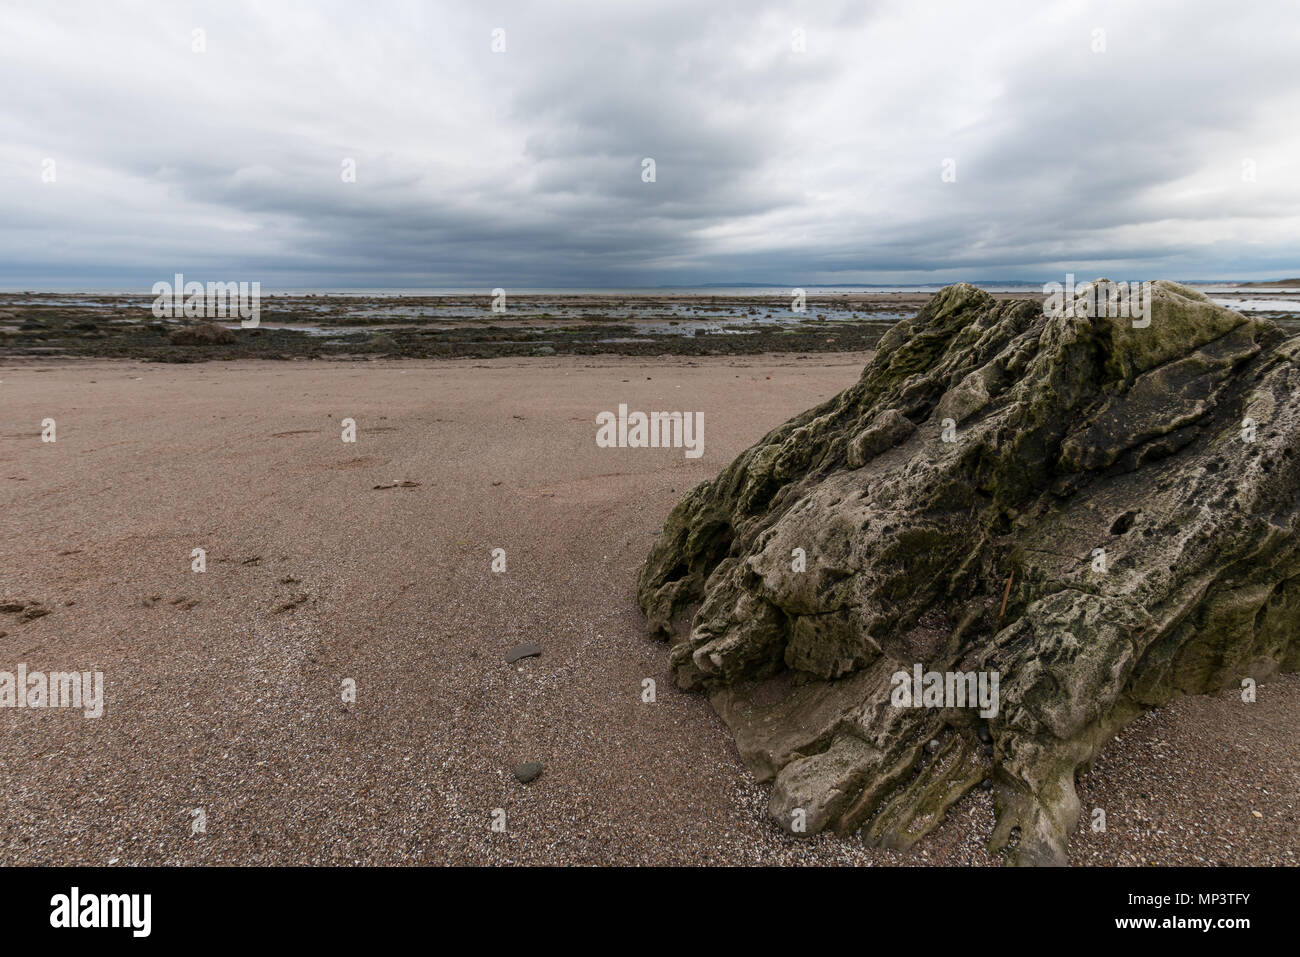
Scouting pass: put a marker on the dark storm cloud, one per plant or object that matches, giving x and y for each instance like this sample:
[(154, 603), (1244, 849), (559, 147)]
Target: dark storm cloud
[(525, 167)]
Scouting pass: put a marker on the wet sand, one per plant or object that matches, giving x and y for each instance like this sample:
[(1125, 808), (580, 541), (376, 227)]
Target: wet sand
[(223, 689)]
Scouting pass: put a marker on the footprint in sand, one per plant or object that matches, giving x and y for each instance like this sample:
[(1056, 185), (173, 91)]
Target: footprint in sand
[(24, 609), (291, 604)]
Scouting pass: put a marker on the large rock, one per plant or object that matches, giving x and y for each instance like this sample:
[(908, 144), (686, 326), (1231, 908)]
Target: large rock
[(1113, 524)]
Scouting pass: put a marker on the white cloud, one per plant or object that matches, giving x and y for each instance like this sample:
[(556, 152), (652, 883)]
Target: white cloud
[(524, 168)]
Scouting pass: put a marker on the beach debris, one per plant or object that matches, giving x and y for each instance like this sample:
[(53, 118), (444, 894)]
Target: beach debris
[(405, 483), (1022, 528), (528, 772), (519, 652)]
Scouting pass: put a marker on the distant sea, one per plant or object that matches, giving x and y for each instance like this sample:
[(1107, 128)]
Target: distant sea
[(753, 289)]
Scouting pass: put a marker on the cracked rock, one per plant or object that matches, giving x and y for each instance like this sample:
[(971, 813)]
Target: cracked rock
[(1101, 514)]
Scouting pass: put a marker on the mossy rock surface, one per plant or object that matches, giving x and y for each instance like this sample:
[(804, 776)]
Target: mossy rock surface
[(1137, 487)]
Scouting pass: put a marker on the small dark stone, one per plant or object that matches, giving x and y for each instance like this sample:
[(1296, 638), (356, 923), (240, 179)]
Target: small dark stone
[(522, 651), (528, 772)]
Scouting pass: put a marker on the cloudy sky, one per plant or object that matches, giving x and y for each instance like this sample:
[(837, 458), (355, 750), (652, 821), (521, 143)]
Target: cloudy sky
[(1135, 140)]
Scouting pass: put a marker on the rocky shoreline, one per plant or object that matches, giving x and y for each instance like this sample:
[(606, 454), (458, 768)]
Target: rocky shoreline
[(449, 327), (363, 327)]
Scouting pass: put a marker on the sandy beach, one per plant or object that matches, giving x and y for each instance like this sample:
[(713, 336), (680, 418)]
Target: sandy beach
[(222, 688)]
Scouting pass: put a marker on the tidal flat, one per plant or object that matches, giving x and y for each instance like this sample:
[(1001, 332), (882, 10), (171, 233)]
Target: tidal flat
[(363, 326)]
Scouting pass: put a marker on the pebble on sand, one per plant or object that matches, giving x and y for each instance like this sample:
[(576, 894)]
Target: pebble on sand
[(528, 772)]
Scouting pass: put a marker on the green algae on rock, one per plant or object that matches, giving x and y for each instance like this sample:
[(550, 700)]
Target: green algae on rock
[(1103, 515)]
